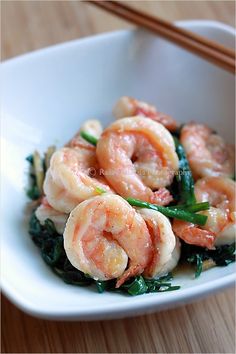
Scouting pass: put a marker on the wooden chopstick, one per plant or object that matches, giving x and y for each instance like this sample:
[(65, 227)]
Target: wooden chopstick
[(205, 48), (191, 35)]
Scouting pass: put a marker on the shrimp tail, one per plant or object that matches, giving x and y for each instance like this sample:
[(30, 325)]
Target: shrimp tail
[(130, 272), (193, 235)]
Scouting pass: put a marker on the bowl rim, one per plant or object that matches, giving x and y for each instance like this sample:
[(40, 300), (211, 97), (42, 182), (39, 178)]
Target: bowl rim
[(124, 309), (142, 304)]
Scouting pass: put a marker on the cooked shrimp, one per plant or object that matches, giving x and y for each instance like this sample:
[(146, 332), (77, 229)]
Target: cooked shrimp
[(138, 156), (193, 234), (70, 179), (220, 228), (220, 192), (174, 259), (45, 211), (92, 127), (129, 107), (166, 250), (208, 154), (106, 238)]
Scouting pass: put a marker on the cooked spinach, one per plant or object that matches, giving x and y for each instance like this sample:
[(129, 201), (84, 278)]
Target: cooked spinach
[(53, 253), (140, 285), (184, 177), (38, 168), (33, 192), (177, 132), (30, 159), (222, 256)]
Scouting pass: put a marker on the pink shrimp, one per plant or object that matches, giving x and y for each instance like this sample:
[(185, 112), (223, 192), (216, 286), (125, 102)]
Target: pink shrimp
[(220, 226), (70, 179), (208, 154), (129, 107), (138, 159), (73, 175), (46, 211), (107, 239)]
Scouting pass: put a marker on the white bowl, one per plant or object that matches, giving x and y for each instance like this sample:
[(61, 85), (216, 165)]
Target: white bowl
[(46, 95)]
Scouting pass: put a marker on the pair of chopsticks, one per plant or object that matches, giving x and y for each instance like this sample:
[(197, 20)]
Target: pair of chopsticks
[(205, 48)]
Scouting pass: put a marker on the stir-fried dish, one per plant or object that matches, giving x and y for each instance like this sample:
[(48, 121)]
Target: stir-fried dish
[(123, 207)]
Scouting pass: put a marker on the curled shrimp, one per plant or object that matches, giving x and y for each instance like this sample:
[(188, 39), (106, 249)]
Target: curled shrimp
[(220, 228), (71, 176), (138, 157), (129, 107), (106, 238), (46, 211), (208, 154), (166, 247), (69, 179)]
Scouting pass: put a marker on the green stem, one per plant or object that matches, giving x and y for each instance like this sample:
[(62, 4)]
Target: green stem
[(191, 208), (185, 178), (91, 139), (171, 213)]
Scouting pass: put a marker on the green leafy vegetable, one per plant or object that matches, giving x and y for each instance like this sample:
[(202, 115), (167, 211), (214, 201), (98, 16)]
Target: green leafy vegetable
[(52, 250), (105, 285), (177, 132), (30, 159), (174, 191), (161, 284), (53, 253), (137, 286), (140, 285), (199, 263), (33, 193), (221, 256), (72, 277), (101, 286), (170, 212), (184, 178), (36, 176), (91, 139)]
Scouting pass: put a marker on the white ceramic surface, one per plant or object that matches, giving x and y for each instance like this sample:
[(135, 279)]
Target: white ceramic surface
[(45, 97)]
